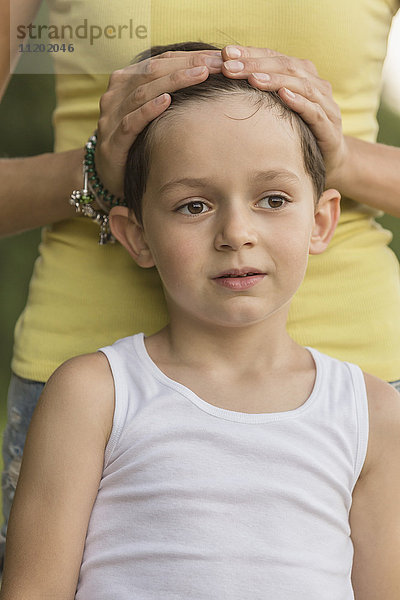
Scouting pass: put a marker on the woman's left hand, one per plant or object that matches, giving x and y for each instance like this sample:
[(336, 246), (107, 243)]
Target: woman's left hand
[(299, 86)]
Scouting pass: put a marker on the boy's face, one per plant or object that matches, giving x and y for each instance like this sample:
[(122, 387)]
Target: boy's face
[(228, 213)]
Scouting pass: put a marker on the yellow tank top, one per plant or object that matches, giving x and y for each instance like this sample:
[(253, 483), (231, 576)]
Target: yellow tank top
[(83, 296)]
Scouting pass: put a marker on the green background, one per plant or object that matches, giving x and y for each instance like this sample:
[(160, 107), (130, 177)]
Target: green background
[(25, 129)]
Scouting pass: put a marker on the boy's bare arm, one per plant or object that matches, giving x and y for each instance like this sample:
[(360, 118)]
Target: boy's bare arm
[(375, 513), (61, 470)]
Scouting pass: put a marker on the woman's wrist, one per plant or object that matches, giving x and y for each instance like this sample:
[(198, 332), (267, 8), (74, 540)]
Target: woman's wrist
[(337, 177), (368, 173)]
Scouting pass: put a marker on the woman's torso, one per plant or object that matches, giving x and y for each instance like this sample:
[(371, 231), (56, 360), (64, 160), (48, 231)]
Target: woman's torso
[(83, 296)]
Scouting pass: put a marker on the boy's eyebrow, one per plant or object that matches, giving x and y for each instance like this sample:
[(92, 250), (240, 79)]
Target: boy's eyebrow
[(255, 177), (281, 174)]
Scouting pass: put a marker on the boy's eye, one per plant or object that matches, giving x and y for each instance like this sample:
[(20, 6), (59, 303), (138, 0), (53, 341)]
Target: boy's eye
[(196, 207), (272, 202)]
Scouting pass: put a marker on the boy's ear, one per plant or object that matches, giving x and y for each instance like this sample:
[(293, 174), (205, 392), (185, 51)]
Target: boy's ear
[(129, 233), (326, 217)]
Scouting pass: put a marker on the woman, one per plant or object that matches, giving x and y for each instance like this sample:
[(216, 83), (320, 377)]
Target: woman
[(349, 304)]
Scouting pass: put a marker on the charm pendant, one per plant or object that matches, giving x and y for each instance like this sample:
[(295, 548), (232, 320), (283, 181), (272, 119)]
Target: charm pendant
[(93, 190), (83, 201)]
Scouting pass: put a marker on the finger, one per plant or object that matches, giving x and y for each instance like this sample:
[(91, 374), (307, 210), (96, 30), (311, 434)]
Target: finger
[(254, 60), (284, 65), (120, 101), (113, 149), (152, 68), (184, 53), (234, 52), (133, 123), (322, 127), (314, 89), (274, 73), (169, 83)]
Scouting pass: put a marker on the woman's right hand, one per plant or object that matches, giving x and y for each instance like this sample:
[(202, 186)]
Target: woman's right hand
[(135, 96)]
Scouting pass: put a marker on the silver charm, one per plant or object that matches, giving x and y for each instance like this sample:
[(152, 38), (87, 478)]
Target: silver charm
[(83, 201)]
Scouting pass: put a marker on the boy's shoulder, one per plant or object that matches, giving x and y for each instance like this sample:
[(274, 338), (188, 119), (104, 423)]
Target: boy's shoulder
[(384, 423), (90, 370), (83, 386)]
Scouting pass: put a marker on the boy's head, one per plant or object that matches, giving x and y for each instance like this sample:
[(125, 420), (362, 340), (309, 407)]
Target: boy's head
[(224, 193), (215, 87)]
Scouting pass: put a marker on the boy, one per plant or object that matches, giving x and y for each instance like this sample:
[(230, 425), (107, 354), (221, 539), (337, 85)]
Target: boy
[(216, 458)]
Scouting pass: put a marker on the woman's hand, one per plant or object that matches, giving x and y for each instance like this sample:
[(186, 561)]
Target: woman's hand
[(138, 94), (299, 86)]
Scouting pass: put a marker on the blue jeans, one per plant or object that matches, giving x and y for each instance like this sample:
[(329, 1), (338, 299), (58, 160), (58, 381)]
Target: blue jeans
[(23, 395)]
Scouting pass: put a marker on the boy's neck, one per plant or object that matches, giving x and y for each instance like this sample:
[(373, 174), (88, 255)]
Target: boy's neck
[(252, 369), (265, 345)]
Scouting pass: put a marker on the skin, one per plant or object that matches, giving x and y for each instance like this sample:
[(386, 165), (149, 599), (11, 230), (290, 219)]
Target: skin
[(237, 228), (234, 194), (203, 347), (240, 171)]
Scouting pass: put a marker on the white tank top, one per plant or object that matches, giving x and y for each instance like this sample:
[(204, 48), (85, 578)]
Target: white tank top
[(198, 502)]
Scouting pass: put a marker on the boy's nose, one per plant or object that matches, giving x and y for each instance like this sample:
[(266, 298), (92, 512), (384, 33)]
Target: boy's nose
[(235, 230)]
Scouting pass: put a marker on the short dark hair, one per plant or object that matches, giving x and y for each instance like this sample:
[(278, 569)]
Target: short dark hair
[(215, 86)]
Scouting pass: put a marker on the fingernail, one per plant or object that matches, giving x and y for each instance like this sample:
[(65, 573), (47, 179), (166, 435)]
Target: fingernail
[(160, 99), (234, 65), (261, 76), (289, 93), (233, 52), (213, 61), (195, 71)]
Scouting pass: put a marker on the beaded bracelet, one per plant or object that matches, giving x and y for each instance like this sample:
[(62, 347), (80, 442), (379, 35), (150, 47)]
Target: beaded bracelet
[(93, 190)]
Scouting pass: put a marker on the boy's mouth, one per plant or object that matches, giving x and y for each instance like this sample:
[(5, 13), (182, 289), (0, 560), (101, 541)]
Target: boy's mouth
[(239, 279), (244, 275), (246, 272)]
